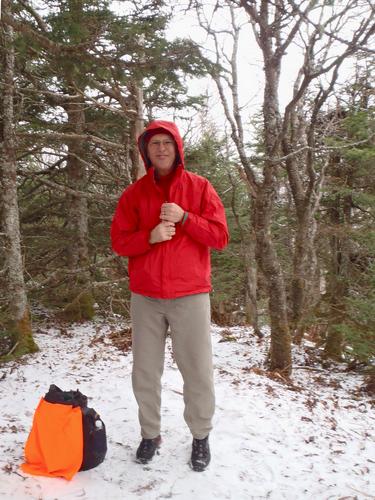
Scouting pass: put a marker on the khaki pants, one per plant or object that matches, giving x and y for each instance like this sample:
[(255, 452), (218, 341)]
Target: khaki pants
[(189, 320)]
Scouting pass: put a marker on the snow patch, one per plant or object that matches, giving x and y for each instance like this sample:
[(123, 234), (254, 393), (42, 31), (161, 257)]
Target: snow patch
[(311, 438)]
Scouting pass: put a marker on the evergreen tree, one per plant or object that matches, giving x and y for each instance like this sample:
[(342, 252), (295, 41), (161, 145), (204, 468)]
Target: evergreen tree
[(82, 69), (350, 201), (15, 326), (208, 157)]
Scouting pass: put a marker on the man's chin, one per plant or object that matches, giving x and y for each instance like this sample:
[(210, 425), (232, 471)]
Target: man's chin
[(163, 169)]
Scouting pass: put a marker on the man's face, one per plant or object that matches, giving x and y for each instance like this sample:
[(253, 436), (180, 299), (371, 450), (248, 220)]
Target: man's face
[(161, 149)]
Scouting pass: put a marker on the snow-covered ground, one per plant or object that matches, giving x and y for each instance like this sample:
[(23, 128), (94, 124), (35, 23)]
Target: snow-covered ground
[(312, 439)]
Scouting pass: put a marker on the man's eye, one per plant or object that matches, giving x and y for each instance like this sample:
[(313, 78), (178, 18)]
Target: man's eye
[(159, 143)]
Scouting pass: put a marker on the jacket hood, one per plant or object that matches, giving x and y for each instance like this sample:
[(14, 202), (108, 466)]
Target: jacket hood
[(166, 127)]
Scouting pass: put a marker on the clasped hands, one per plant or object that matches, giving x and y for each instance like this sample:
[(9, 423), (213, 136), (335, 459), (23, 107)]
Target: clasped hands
[(170, 214)]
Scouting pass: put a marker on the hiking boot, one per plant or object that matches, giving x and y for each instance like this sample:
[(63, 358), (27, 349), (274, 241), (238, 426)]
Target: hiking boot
[(200, 454), (146, 450)]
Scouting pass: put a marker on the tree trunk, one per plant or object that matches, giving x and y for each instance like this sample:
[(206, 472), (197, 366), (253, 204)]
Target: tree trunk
[(251, 284), (17, 313), (136, 128), (303, 295), (248, 250), (339, 213), (79, 295), (280, 351)]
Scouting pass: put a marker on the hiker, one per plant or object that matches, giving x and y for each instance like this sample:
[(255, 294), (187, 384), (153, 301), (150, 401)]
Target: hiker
[(166, 222)]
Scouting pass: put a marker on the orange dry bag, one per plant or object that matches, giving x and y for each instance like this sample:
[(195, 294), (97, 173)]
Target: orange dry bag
[(65, 437)]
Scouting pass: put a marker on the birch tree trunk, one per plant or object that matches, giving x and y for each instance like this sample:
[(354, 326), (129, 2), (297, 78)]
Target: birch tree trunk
[(18, 322)]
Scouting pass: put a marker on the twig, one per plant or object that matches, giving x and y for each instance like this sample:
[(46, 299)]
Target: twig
[(309, 368), (362, 493), (13, 349), (18, 474)]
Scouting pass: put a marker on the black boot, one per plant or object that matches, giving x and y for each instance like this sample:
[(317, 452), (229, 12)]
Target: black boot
[(146, 450), (200, 454)]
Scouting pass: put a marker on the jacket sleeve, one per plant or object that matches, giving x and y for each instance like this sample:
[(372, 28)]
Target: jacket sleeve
[(210, 227), (127, 239)]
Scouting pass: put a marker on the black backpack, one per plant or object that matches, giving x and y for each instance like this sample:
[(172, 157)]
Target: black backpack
[(94, 435)]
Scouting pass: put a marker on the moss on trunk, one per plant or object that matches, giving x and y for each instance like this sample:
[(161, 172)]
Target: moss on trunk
[(334, 344), (18, 336), (80, 307)]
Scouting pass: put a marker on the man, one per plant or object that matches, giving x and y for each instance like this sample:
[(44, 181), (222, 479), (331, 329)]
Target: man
[(165, 223)]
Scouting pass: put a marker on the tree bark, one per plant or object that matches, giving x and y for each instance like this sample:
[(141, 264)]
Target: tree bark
[(251, 284), (136, 128), (305, 263), (248, 246), (339, 214), (77, 178), (17, 313), (79, 295), (248, 241), (280, 352), (263, 193)]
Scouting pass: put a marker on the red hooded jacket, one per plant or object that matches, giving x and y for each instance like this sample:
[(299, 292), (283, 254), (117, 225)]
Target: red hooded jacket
[(180, 266)]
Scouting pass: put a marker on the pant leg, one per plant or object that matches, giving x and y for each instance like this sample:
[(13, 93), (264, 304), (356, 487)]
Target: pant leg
[(190, 321), (149, 329)]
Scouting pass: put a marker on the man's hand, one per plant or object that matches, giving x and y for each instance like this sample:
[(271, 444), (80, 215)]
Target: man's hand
[(171, 212), (162, 232)]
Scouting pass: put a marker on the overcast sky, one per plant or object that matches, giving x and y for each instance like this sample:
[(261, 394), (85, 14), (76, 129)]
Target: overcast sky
[(250, 66)]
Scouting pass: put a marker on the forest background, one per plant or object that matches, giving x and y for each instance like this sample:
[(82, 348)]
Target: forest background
[(295, 170)]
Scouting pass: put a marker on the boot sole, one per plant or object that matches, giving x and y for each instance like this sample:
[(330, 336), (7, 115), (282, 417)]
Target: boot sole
[(198, 467), (145, 461)]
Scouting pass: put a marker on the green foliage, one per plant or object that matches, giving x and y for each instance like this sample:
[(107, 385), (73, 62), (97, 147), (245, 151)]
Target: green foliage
[(98, 47), (7, 339), (80, 306), (350, 198), (76, 21), (359, 326), (208, 157), (359, 125)]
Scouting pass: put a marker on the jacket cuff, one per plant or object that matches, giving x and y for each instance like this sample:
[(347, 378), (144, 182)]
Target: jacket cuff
[(186, 215)]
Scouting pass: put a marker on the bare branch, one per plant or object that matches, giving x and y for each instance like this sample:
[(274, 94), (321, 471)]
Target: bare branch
[(321, 149), (40, 21), (333, 33), (235, 120), (59, 136), (70, 191)]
